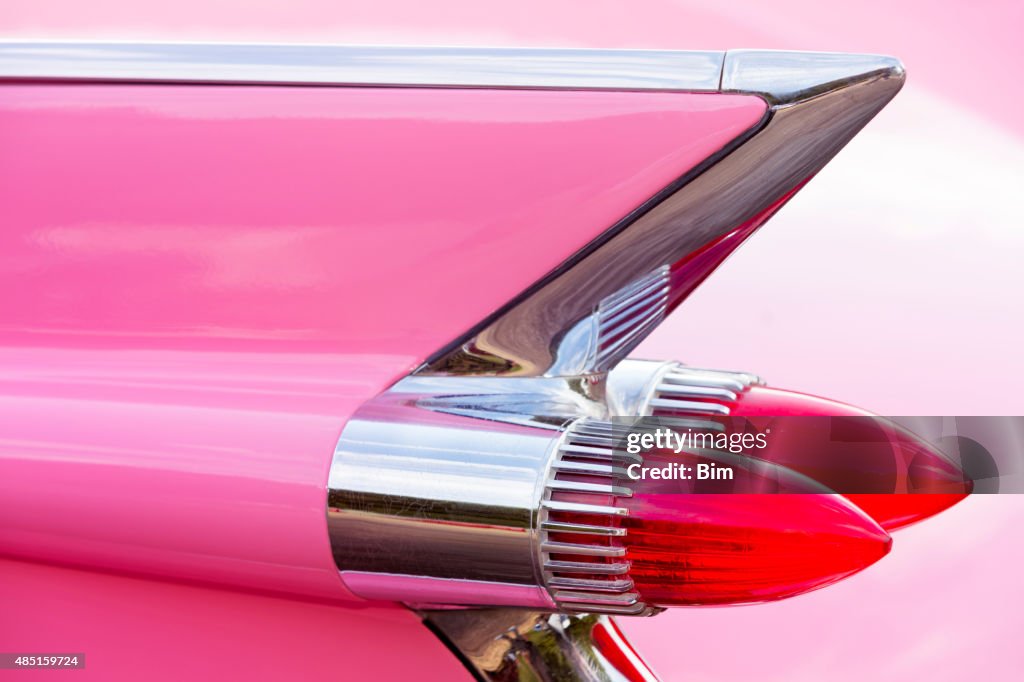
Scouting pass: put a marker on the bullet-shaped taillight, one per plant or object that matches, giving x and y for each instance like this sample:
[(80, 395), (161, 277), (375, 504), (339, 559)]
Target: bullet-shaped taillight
[(890, 473), (762, 533), (887, 471)]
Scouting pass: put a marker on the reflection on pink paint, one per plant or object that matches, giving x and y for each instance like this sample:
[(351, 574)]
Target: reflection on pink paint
[(131, 629), (207, 467), (255, 218)]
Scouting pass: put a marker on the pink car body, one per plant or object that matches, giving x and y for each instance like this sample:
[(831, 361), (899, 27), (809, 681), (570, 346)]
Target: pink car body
[(225, 374), (181, 344)]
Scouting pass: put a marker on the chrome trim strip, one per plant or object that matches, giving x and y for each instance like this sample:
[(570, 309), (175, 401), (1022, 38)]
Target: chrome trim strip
[(361, 65)]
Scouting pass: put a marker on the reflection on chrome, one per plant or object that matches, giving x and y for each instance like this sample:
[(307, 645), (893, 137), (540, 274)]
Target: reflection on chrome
[(513, 644), (818, 102)]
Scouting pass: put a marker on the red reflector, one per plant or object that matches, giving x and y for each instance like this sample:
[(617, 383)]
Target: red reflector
[(612, 645), (895, 477), (694, 549)]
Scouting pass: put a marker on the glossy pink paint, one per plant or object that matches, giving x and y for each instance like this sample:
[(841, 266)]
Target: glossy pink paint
[(201, 466), (323, 220), (211, 279), (131, 629)]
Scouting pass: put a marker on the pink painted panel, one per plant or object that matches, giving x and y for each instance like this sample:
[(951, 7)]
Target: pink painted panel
[(207, 281), (132, 629), (207, 467), (362, 220)]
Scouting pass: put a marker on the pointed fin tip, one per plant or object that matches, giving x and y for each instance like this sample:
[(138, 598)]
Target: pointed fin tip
[(784, 78)]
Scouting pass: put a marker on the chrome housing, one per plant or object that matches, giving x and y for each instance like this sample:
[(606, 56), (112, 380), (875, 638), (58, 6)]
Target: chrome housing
[(454, 491), (428, 507)]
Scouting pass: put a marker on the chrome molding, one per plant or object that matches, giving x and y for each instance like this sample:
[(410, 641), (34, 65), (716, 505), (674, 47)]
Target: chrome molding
[(361, 65), (500, 645), (818, 102)]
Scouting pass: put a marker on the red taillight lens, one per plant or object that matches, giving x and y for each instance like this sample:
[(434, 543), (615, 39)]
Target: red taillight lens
[(708, 549), (895, 477), (737, 549)]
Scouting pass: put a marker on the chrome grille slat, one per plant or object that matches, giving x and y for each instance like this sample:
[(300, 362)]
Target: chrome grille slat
[(601, 488), (587, 567), (639, 301), (691, 390), (594, 585), (597, 598), (583, 550), (582, 508), (581, 528), (588, 469), (691, 406), (588, 439)]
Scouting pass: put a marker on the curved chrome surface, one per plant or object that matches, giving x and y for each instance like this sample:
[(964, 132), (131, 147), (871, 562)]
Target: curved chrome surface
[(630, 385), (672, 389), (362, 65), (819, 102), (513, 644), (548, 401), (789, 77), (429, 507)]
